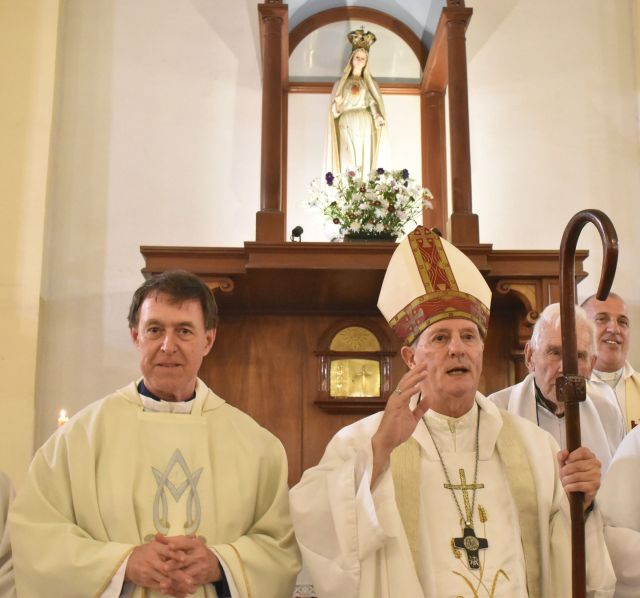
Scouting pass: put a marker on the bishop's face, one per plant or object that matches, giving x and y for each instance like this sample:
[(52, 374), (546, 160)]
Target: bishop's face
[(545, 361), (172, 342), (612, 332), (453, 351)]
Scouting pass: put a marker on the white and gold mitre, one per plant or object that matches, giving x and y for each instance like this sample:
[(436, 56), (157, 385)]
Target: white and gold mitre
[(427, 280)]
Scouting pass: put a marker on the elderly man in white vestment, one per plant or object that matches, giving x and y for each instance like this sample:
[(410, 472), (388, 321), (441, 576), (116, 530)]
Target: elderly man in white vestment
[(7, 587), (620, 506), (160, 488), (601, 423), (613, 334), (443, 495)]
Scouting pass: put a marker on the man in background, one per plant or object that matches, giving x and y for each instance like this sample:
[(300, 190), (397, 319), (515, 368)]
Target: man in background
[(161, 487), (613, 333), (535, 397)]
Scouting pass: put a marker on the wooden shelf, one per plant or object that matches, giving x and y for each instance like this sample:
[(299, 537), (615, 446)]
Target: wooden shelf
[(329, 278)]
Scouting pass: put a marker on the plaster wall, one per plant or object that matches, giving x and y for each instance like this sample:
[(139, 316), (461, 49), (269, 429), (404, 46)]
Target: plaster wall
[(554, 128), (28, 37)]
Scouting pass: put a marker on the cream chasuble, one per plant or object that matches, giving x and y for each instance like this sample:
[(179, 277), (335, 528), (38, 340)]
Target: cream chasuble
[(116, 474), (360, 543)]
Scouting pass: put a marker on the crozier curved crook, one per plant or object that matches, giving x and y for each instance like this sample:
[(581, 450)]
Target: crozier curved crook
[(571, 388)]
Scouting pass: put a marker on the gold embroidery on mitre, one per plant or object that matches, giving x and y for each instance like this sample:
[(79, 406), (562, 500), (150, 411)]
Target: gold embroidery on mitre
[(428, 309), (432, 261)]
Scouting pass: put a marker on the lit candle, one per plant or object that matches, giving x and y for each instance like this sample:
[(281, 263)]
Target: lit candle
[(63, 418)]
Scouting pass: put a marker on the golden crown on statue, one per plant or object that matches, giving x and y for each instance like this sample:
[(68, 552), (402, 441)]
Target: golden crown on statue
[(361, 39)]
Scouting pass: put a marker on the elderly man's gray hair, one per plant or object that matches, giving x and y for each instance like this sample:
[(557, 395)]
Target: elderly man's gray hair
[(550, 318)]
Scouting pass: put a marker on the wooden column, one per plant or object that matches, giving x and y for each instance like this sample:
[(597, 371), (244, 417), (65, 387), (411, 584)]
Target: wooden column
[(271, 219), (463, 223), (434, 163)]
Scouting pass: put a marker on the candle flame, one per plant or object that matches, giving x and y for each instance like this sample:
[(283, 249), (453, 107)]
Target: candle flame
[(62, 418)]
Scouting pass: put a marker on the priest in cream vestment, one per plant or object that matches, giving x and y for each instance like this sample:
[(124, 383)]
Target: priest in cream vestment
[(443, 495), (613, 332), (160, 488)]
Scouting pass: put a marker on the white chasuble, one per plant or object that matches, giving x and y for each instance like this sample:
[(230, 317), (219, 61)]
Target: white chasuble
[(498, 569), (395, 541), (115, 475)]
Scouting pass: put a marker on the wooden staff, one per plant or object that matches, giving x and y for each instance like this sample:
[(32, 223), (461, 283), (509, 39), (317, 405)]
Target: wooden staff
[(570, 387)]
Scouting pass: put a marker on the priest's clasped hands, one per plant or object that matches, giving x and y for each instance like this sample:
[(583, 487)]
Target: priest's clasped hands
[(174, 566)]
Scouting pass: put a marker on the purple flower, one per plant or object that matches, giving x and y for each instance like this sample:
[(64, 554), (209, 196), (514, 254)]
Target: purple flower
[(329, 178), (405, 174), (380, 171)]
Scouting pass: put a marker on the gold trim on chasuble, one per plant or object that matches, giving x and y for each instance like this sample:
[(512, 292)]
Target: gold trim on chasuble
[(442, 298), (405, 470)]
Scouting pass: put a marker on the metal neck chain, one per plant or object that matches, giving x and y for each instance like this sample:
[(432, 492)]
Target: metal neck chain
[(475, 475)]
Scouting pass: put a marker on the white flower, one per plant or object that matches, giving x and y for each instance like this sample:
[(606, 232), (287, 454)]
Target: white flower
[(379, 227), (368, 226), (379, 213), (355, 227), (402, 215)]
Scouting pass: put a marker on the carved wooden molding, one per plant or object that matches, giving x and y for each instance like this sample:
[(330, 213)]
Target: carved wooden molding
[(222, 283), (527, 292)]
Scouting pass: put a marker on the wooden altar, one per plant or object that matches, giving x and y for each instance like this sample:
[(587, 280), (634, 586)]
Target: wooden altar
[(277, 299)]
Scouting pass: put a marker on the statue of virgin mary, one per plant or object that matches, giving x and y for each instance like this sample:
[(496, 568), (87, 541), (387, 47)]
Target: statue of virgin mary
[(357, 119)]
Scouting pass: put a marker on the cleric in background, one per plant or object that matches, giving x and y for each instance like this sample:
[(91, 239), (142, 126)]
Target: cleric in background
[(442, 494), (613, 334), (601, 423)]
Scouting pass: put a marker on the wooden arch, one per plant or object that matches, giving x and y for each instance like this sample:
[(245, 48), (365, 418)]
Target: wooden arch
[(354, 13)]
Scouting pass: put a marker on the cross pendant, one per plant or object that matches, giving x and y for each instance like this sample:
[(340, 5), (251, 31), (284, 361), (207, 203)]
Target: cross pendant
[(471, 544)]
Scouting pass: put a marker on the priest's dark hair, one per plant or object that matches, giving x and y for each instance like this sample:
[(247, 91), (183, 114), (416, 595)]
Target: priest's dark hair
[(181, 286)]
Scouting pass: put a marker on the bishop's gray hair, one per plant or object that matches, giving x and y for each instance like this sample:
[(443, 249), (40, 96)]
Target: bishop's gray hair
[(550, 318)]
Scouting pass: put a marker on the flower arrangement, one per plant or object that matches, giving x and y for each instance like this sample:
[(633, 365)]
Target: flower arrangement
[(377, 207)]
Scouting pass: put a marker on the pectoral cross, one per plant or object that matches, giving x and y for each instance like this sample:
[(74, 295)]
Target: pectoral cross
[(471, 544)]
